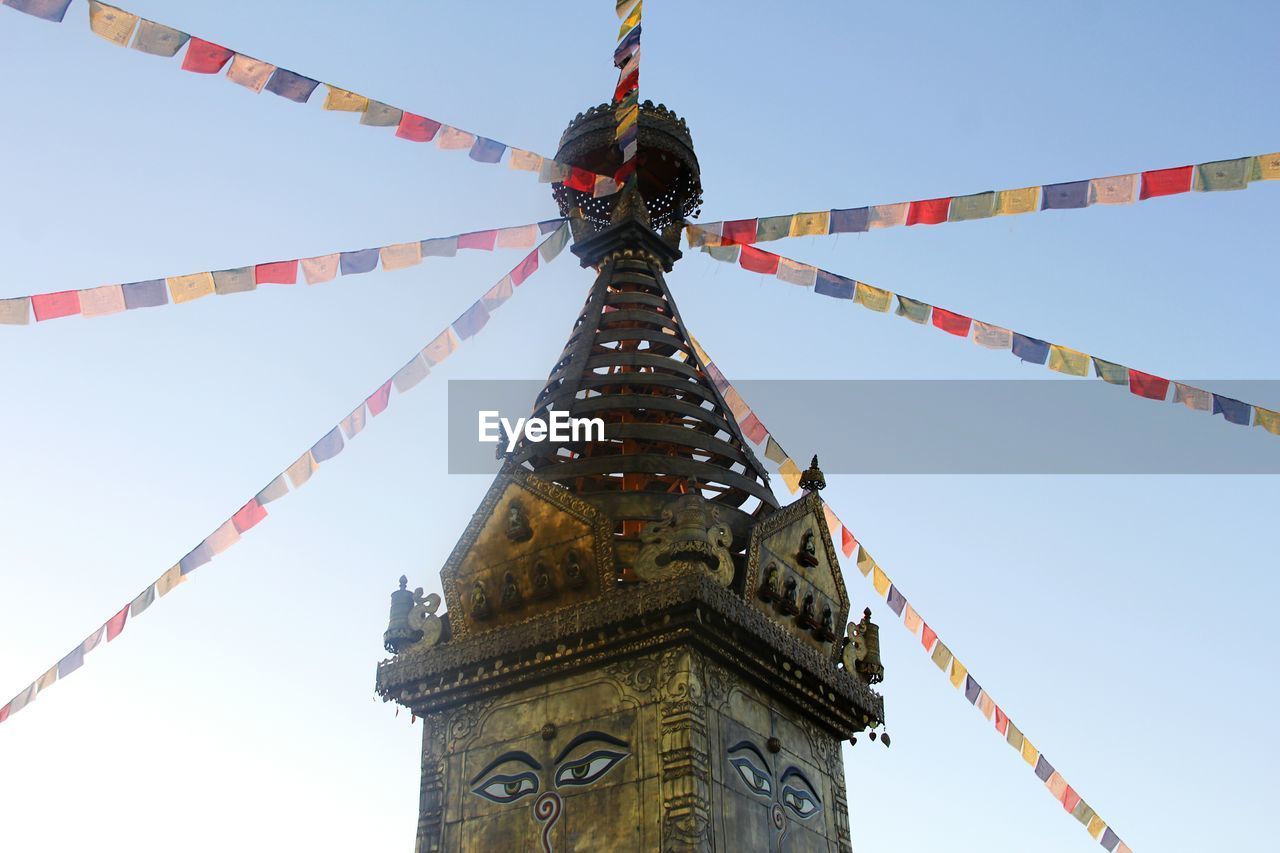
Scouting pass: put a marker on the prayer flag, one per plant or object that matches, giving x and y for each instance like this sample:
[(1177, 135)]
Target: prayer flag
[(1002, 721), (806, 224), (1056, 785), (1013, 202), (913, 310), (1193, 398), (356, 263), (954, 324), (288, 84), (793, 272), (753, 429), (452, 139), (1096, 825), (1109, 840), (880, 580), (330, 445), (927, 636), (170, 579), (866, 562), (320, 269), (871, 297), (928, 212), (1115, 374), (250, 73), (1119, 189), (986, 706), (272, 491), (941, 656), (1267, 419), (378, 114), (849, 221), (343, 101), (99, 301), (413, 372), (1234, 411), (1083, 812), (233, 281), (73, 661), (991, 337), (757, 260), (378, 400), (91, 642), (1014, 737), (248, 516), (911, 619), (301, 470), (471, 321), (440, 348), (1166, 182), (958, 672), (517, 237), (1065, 196), (223, 538), (49, 10), (829, 284), (1266, 167), (790, 473), (1070, 799), (971, 689), (525, 268), (1043, 769), (833, 523), (773, 451), (398, 256), (23, 699), (1146, 385), (1032, 350), (547, 226), (278, 272), (580, 180), (552, 172), (887, 215), (976, 206), (741, 231), (47, 680), (4, 712), (1066, 360), (145, 294), (185, 288), (1029, 753), (157, 39), (772, 228), (116, 623), (114, 25), (205, 57), (143, 601), (15, 312), (353, 424), (416, 128), (196, 557), (498, 294), (440, 247), (525, 161), (1224, 175), (727, 254), (51, 306), (848, 543), (554, 245), (482, 240)]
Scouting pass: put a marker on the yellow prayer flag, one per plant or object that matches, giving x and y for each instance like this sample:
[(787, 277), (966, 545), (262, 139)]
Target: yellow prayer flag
[(441, 348), (519, 237), (1068, 361), (1029, 753), (1268, 167), (184, 288), (880, 580), (1267, 419), (1010, 202), (301, 470), (958, 672), (866, 562), (99, 301), (790, 473), (344, 101), (526, 161), (941, 656), (169, 580), (626, 119), (46, 681), (1014, 736), (804, 224), (401, 255), (624, 7), (631, 21), (911, 619), (872, 297), (452, 139), (320, 269), (114, 25), (250, 73), (697, 348), (1096, 825)]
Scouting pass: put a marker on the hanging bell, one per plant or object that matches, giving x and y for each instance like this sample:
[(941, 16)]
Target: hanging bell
[(400, 634), (884, 739), (869, 665), (873, 735)]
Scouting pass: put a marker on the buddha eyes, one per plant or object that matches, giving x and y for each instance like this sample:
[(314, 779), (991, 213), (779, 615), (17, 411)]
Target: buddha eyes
[(800, 801), (588, 769), (507, 789), (755, 778)]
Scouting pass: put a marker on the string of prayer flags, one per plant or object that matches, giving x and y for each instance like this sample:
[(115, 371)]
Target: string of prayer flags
[(1057, 357), (1213, 176), (253, 511), (626, 95), (115, 298)]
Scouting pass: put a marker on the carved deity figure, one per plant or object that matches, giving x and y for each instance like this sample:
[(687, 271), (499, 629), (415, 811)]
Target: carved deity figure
[(574, 577), (480, 607), (518, 529), (510, 599), (769, 589), (808, 555), (542, 586)]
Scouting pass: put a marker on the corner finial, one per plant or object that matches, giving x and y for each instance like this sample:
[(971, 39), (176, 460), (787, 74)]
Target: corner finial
[(813, 479)]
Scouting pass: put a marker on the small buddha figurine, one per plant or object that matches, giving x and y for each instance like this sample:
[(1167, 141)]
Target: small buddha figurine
[(769, 589), (510, 599), (806, 617), (808, 555), (542, 587), (518, 529), (787, 601), (480, 608), (825, 630), (573, 575)]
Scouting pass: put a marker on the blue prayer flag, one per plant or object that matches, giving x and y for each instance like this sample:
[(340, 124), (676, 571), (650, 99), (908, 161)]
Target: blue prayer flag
[(354, 263), (1109, 839), (546, 226), (471, 321), (1030, 349), (848, 221), (198, 556), (1043, 769), (50, 10), (145, 294), (632, 39), (1233, 410), (295, 87), (835, 286), (327, 447), (971, 689), (73, 661), (896, 601), (1065, 196), (486, 150)]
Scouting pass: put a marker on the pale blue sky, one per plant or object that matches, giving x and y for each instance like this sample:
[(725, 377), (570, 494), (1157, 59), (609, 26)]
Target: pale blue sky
[(1120, 620)]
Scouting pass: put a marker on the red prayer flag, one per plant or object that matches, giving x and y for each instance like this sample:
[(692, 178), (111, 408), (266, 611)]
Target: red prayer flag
[(928, 212), (50, 306), (483, 240), (526, 268), (248, 515), (1002, 722), (417, 128), (955, 324), (627, 85), (753, 429), (4, 712), (927, 636), (580, 180), (1146, 385), (1166, 182), (625, 171), (739, 231), (847, 543), (378, 400), (758, 260), (116, 623), (278, 272), (1070, 799), (205, 57)]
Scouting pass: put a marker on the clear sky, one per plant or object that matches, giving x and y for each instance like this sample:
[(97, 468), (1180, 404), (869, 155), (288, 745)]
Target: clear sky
[(1121, 621)]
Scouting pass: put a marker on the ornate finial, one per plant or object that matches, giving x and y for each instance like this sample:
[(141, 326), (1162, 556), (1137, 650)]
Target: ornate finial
[(813, 480), (404, 581)]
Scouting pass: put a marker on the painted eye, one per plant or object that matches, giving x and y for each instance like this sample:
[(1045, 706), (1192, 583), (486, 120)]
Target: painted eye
[(800, 801), (586, 770), (756, 779), (507, 789)]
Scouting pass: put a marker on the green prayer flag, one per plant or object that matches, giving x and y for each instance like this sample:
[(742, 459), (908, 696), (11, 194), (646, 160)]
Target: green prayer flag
[(1224, 175), (773, 228), (976, 206), (1116, 374), (916, 312), (774, 452), (378, 114), (554, 245), (233, 281), (157, 39)]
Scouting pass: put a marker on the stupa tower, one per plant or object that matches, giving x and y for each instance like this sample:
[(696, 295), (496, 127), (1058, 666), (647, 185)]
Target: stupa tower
[(640, 649)]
